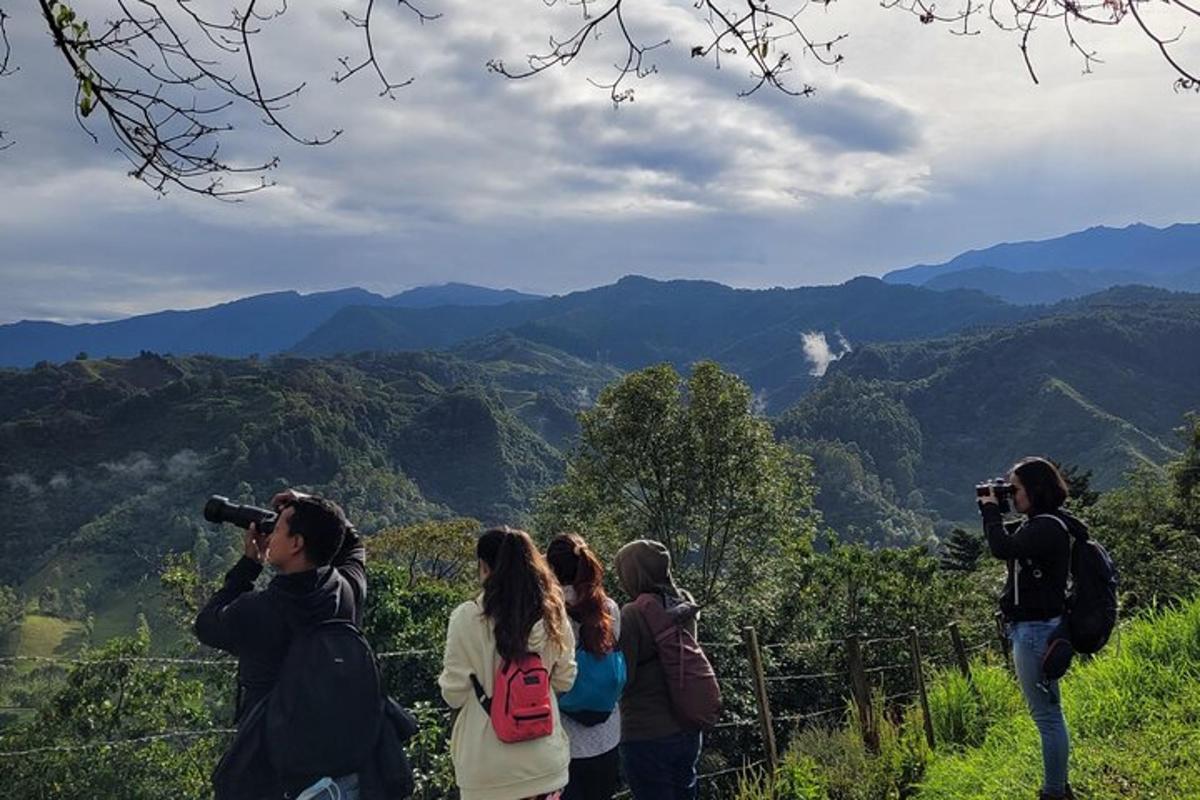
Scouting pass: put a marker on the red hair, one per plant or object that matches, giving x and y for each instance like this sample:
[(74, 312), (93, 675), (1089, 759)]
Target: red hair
[(575, 565)]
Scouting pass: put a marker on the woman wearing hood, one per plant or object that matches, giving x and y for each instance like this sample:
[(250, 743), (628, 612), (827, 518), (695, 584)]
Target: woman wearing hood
[(658, 752), (518, 615)]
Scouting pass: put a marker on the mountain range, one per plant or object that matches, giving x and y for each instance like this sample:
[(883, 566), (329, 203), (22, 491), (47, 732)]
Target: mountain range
[(263, 324), (1070, 266)]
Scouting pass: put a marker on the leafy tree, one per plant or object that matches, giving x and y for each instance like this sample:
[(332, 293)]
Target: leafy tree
[(1079, 484), (962, 551), (107, 699), (1144, 528), (438, 550), (689, 464), (12, 610), (1185, 473)]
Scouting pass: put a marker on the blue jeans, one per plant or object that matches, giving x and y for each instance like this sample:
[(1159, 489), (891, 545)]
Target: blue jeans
[(1044, 699), (662, 769)]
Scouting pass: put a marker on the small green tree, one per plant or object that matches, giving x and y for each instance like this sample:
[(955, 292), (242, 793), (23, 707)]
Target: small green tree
[(1079, 484), (962, 551)]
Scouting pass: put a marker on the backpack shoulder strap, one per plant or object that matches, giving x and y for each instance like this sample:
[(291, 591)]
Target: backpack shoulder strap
[(484, 700), (651, 607), (1070, 585), (1066, 528)]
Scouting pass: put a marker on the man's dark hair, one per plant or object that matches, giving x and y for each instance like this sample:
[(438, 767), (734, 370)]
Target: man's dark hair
[(323, 525), (1044, 484)]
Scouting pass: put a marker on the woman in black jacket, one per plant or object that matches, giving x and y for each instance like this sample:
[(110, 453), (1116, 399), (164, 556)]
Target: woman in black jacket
[(1038, 552)]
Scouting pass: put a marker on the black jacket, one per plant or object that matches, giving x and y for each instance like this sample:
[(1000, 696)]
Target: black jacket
[(257, 627), (1038, 551)]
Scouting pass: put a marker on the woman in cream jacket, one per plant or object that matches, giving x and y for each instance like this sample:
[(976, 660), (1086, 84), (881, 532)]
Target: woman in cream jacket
[(520, 610)]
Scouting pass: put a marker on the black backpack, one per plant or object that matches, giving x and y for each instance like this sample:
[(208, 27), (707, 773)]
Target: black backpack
[(1092, 581), (325, 712)]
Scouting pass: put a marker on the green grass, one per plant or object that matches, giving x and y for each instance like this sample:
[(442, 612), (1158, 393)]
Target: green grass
[(43, 636), (1133, 714)]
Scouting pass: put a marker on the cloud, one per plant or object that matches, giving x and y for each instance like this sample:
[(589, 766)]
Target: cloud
[(23, 481), (184, 464), (919, 145), (818, 352), (134, 466)]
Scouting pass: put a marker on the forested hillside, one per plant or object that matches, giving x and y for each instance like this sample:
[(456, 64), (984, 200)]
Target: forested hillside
[(1102, 385), (759, 334), (105, 464)]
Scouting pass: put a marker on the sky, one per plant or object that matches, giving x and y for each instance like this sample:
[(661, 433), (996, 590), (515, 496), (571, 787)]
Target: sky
[(920, 145)]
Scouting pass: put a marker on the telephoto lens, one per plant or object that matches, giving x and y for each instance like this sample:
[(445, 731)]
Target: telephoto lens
[(219, 509)]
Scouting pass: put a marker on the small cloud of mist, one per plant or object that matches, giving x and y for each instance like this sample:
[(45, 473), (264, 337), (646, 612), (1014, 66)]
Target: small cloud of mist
[(184, 464), (23, 481), (820, 354), (758, 403), (134, 465), (59, 481)]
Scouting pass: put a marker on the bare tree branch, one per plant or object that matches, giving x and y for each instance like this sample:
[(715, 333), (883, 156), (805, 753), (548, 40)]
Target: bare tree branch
[(369, 60)]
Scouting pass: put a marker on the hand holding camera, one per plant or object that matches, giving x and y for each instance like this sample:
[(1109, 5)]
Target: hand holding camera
[(996, 491)]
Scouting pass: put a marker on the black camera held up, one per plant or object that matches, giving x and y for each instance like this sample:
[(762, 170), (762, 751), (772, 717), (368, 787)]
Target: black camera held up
[(219, 509), (1003, 490)]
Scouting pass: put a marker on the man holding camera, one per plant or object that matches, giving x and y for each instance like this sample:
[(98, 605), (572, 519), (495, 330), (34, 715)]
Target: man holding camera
[(321, 581), (322, 575)]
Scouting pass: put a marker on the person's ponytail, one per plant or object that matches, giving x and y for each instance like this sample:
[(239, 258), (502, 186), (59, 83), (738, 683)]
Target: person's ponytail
[(575, 565), (518, 591)]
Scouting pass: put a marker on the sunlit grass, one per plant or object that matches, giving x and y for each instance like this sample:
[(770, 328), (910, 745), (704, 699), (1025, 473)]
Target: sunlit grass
[(1133, 714)]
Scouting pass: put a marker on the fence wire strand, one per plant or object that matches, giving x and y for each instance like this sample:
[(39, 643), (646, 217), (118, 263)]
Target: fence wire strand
[(153, 737)]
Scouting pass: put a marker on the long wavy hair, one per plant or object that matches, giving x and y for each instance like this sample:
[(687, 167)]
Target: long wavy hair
[(518, 591), (575, 565)]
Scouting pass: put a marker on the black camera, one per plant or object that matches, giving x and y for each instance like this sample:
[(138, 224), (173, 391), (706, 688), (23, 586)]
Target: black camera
[(218, 509), (1003, 490)]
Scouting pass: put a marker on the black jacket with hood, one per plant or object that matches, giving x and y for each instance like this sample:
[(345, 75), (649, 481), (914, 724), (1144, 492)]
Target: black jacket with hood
[(257, 627), (1038, 552)]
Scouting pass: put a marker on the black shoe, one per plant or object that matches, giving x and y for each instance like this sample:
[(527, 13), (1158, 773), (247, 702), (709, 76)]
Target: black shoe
[(1066, 795)]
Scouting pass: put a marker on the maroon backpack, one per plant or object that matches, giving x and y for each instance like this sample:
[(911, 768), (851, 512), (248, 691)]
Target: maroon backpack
[(691, 682)]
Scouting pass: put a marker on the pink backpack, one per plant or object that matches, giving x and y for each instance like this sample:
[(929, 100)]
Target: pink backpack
[(519, 707), (691, 682)]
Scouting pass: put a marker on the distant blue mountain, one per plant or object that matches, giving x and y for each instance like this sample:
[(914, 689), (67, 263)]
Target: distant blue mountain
[(457, 294), (263, 324), (1070, 266)]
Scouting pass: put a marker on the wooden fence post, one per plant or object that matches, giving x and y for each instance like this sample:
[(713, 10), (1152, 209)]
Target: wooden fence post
[(765, 723), (861, 692), (914, 651), (960, 652), (1003, 636)]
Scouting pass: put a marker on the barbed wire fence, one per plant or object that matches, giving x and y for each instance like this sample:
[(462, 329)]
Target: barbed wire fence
[(771, 694)]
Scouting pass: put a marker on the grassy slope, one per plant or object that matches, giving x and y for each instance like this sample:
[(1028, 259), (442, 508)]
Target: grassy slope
[(1133, 714), (42, 636)]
